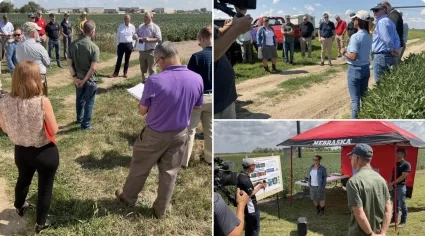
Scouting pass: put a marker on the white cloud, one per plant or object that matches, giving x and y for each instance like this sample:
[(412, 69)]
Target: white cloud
[(309, 8), (348, 12), (280, 12), (268, 13), (423, 11), (318, 4), (264, 6), (275, 1), (294, 8)]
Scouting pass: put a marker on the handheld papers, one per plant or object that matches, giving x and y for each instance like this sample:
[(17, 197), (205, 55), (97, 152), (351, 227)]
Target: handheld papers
[(140, 46), (137, 91)]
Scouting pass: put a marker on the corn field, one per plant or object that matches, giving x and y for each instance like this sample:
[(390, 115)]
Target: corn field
[(174, 27)]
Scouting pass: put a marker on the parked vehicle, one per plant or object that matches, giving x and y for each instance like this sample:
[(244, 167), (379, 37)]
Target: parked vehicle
[(234, 53)]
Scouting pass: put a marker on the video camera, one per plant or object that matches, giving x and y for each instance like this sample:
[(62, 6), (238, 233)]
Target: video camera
[(223, 177), (242, 4)]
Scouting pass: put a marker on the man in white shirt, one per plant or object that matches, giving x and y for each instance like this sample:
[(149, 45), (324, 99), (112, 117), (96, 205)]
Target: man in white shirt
[(124, 42), (6, 31), (245, 40), (148, 35)]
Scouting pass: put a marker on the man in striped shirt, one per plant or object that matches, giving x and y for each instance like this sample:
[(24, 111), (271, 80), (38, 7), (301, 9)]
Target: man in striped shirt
[(148, 35)]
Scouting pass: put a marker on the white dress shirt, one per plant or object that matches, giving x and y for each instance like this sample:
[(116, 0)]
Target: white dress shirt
[(6, 28), (125, 33)]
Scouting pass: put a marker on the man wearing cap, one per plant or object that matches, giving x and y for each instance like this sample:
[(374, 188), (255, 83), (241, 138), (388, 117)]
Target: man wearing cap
[(66, 31), (31, 50), (368, 195), (340, 29), (252, 212), (396, 17), (386, 42), (307, 30), (39, 20), (326, 35), (288, 45), (398, 186), (52, 31), (350, 27)]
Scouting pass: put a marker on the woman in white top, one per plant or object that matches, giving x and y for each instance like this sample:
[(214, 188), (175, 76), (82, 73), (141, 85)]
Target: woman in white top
[(267, 44), (317, 183)]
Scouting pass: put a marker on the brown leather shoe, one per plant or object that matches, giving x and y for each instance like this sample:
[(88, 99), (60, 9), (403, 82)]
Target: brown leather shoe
[(125, 75), (113, 76), (120, 196)]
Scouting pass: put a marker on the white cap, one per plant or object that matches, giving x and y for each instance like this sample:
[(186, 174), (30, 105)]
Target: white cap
[(247, 162), (362, 15)]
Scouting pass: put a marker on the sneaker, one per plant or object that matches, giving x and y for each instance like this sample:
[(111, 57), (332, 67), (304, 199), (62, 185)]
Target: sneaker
[(21, 211), (330, 63), (120, 197), (401, 225), (322, 63), (39, 228), (88, 128)]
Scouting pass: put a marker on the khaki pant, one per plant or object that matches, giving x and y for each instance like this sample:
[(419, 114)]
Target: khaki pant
[(228, 113), (339, 43), (305, 42), (205, 116), (326, 48), (3, 43), (43, 40), (151, 148), (147, 62)]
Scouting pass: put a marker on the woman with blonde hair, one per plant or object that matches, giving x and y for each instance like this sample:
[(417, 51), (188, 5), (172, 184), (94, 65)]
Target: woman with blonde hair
[(27, 117)]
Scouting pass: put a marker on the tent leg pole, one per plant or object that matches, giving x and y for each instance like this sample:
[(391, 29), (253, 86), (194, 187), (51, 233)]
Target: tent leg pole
[(291, 177), (395, 190), (278, 208)]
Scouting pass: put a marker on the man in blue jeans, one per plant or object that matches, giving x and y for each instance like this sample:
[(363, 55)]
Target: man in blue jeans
[(398, 186), (288, 44), (52, 31), (11, 59), (83, 59), (386, 41)]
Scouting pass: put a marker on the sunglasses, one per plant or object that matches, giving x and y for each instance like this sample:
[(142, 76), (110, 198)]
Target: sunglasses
[(17, 35), (376, 10), (266, 21)]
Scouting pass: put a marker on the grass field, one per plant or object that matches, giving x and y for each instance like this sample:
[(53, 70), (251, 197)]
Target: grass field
[(335, 222), (94, 164), (174, 27), (252, 71)]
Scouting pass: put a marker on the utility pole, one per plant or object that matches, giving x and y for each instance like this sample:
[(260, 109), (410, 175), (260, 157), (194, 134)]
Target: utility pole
[(298, 132)]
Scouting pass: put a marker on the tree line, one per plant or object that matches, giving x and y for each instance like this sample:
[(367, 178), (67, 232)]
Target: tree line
[(281, 150), (9, 7)]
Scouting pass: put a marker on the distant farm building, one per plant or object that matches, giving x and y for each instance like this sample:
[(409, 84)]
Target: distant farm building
[(65, 10), (110, 11), (164, 10), (95, 10)]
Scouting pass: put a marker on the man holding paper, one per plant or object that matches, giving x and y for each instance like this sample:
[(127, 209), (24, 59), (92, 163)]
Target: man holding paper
[(168, 100), (148, 35)]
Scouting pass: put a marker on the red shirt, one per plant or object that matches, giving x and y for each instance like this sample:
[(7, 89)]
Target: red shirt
[(41, 23), (340, 27)]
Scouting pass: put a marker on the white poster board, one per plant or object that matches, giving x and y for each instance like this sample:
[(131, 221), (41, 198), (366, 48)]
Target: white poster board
[(137, 91), (269, 169)]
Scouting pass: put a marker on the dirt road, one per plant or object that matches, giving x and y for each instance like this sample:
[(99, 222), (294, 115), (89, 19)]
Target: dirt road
[(327, 100)]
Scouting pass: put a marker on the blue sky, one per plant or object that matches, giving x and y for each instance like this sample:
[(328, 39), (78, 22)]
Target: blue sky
[(244, 136), (176, 4), (414, 17)]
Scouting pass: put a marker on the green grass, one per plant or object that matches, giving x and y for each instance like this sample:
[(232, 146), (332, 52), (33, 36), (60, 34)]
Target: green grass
[(252, 71), (335, 221), (94, 164), (416, 34)]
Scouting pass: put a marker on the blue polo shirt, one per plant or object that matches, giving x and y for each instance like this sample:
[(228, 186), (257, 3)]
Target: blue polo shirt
[(385, 37), (326, 29), (201, 63), (360, 43)]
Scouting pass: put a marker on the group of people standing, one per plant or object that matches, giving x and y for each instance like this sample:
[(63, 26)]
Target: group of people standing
[(185, 92)]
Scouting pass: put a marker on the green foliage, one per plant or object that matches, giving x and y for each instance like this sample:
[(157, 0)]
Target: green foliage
[(399, 95)]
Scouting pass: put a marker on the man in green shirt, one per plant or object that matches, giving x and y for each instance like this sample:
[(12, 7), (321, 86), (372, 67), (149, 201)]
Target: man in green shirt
[(368, 196), (83, 59), (288, 45)]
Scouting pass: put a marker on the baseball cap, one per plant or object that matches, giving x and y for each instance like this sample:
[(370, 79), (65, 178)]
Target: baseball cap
[(379, 6), (362, 15), (29, 27), (287, 16), (31, 15), (247, 162), (362, 150), (352, 14)]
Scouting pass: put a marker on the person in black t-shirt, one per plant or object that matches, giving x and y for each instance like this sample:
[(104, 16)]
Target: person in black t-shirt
[(67, 32), (350, 28), (307, 30), (52, 31), (396, 17), (398, 186), (226, 223), (252, 211)]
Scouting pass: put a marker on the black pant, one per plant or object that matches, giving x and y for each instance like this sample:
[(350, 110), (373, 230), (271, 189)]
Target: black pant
[(44, 160), (252, 222), (123, 48)]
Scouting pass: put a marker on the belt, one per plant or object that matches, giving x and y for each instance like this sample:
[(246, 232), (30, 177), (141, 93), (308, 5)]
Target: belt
[(207, 93), (126, 42), (381, 53)]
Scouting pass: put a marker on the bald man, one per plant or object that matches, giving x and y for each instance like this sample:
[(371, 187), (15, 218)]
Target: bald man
[(148, 35), (124, 42)]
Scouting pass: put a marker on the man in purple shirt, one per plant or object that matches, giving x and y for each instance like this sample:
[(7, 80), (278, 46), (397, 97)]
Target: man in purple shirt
[(168, 100)]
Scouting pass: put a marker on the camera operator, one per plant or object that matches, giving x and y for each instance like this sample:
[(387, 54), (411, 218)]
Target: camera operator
[(224, 75), (252, 212), (226, 223)]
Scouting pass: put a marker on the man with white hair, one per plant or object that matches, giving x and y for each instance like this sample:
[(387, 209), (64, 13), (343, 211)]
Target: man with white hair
[(31, 50), (148, 35), (396, 17), (405, 35), (326, 35)]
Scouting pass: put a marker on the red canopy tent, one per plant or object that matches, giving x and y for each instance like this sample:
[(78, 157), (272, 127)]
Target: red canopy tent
[(383, 136)]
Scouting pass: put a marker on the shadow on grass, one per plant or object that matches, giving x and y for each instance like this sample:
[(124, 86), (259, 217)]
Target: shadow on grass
[(65, 130), (415, 209), (130, 137), (7, 222), (108, 160), (293, 72), (120, 86), (243, 113)]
